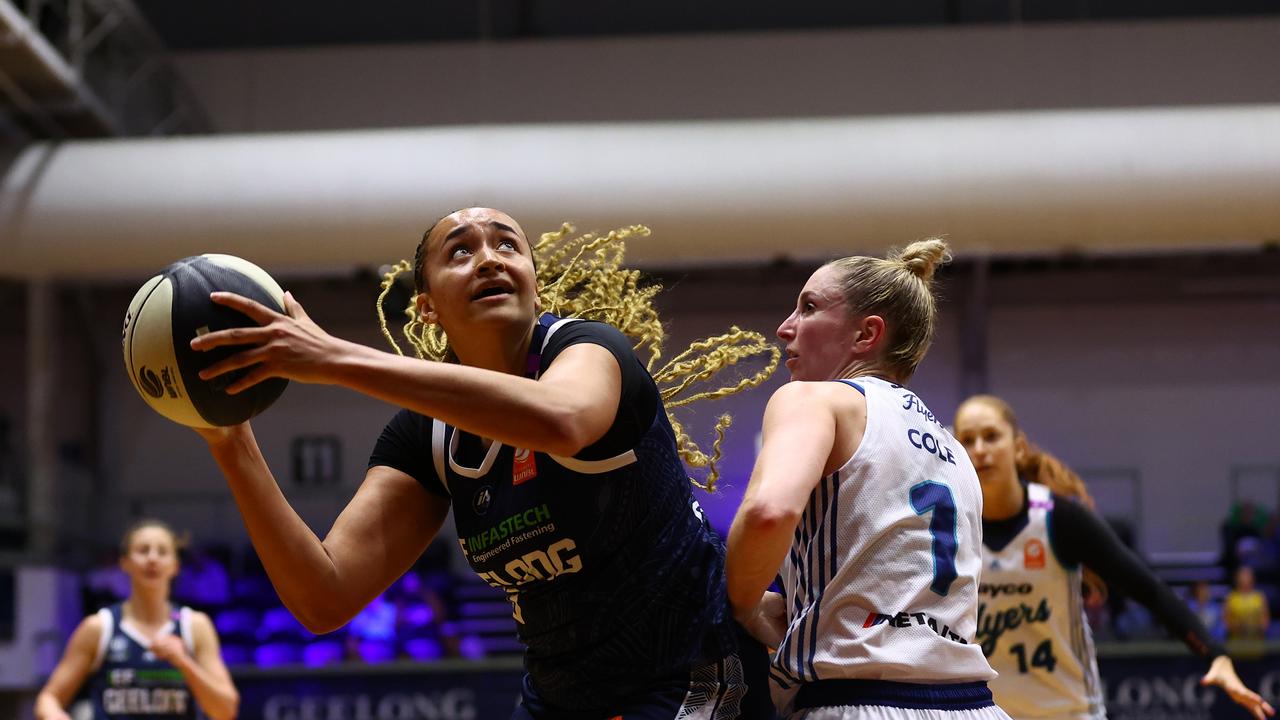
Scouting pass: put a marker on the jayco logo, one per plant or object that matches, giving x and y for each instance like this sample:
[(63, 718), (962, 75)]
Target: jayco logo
[(991, 625), (995, 590)]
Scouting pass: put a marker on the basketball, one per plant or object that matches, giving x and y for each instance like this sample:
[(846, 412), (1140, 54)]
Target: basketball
[(172, 308)]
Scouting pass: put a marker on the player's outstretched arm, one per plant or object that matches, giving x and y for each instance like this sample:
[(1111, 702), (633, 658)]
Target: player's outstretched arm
[(376, 538), (1082, 536), (569, 407)]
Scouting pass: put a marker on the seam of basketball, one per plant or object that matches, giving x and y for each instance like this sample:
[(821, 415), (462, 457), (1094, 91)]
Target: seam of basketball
[(133, 321)]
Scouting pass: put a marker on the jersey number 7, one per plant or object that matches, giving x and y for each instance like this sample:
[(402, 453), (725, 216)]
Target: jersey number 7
[(934, 496)]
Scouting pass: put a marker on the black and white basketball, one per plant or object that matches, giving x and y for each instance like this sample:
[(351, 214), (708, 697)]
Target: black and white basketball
[(172, 308)]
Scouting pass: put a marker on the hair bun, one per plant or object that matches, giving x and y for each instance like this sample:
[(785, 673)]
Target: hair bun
[(923, 257)]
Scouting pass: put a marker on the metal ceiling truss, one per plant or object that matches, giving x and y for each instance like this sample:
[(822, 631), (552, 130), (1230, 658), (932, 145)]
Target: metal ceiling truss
[(89, 68)]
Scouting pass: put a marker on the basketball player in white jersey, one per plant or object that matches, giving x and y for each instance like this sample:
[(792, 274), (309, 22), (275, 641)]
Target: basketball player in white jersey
[(869, 506), (1040, 539)]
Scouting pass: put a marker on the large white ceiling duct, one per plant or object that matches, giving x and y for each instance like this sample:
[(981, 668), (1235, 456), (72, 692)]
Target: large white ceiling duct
[(728, 191)]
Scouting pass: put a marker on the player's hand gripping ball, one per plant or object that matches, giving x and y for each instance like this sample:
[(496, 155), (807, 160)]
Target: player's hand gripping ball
[(172, 308)]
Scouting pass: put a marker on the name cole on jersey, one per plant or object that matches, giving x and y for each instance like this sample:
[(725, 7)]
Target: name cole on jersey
[(924, 440)]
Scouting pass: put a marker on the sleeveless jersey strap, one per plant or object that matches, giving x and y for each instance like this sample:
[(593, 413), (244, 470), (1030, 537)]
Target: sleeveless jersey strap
[(854, 385), (1039, 500), (108, 629), (184, 630), (437, 451), (1039, 511)]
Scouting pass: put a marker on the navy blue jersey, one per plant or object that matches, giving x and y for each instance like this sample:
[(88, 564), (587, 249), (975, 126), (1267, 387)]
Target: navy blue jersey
[(616, 579), (129, 682)]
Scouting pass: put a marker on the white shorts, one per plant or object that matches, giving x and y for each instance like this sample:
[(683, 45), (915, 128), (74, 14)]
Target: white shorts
[(887, 700), (885, 712)]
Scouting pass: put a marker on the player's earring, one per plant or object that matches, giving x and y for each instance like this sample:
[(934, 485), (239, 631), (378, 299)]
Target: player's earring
[(425, 314)]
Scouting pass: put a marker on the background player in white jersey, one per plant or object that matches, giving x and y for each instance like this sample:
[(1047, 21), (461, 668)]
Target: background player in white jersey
[(870, 507), (143, 657), (1039, 536)]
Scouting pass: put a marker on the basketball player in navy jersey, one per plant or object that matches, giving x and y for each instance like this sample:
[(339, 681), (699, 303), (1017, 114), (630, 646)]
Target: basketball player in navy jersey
[(869, 506), (143, 658), (1039, 537), (549, 442)]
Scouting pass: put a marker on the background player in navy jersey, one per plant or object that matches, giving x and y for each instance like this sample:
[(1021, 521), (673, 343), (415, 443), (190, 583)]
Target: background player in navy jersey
[(143, 658), (870, 507), (550, 442), (1036, 545)]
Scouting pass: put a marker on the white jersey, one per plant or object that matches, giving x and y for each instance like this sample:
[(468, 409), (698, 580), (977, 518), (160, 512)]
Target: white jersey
[(881, 581), (1032, 626)]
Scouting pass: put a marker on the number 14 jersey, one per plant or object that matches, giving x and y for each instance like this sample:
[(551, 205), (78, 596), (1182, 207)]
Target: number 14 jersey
[(1032, 626), (882, 578)]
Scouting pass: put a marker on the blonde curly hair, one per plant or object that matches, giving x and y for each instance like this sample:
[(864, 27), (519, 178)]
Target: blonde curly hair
[(582, 276)]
